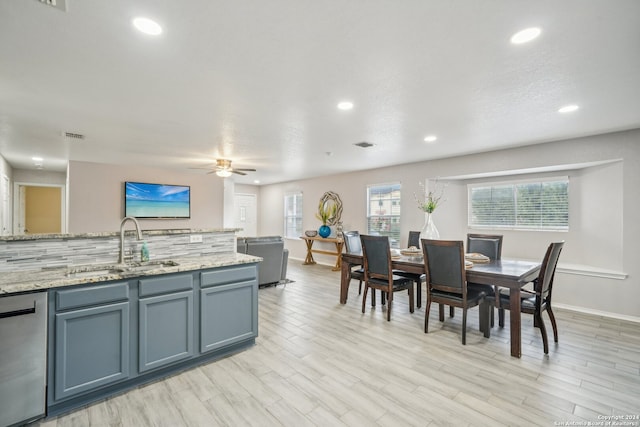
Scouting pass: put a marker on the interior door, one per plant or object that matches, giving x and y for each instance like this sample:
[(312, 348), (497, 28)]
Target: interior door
[(38, 209), (245, 207)]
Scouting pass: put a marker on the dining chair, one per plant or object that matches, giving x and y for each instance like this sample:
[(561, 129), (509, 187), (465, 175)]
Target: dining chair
[(447, 282), (378, 274), (539, 300), (353, 245), (414, 240), (489, 245)]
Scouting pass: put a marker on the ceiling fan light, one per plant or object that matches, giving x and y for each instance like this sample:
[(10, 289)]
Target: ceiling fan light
[(223, 173)]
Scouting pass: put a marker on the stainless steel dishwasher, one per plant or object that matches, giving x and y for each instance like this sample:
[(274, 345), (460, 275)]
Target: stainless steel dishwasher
[(23, 344)]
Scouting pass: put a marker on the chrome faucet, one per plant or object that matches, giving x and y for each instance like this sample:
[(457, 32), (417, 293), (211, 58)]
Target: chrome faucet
[(125, 219)]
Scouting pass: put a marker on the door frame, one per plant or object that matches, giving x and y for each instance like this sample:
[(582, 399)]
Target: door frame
[(18, 205)]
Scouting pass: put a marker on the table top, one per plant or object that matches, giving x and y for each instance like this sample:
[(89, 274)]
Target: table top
[(322, 239), (504, 272)]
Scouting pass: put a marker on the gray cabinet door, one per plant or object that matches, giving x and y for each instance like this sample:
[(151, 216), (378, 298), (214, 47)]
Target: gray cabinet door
[(228, 314), (92, 348), (165, 330)]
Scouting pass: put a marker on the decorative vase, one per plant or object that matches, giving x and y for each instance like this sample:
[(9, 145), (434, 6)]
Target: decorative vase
[(324, 231), (429, 230)]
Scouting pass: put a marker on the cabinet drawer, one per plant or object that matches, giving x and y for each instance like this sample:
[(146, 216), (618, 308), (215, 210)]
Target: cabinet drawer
[(228, 275), (165, 284), (93, 295)]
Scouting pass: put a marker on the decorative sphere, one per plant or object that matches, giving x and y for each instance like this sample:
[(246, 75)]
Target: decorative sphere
[(324, 231)]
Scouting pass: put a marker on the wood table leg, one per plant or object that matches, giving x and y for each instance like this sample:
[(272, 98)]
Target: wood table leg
[(338, 256), (515, 322), (309, 259)]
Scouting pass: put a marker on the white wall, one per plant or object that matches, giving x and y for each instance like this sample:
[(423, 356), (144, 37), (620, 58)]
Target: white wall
[(39, 177), (96, 197), (604, 199)]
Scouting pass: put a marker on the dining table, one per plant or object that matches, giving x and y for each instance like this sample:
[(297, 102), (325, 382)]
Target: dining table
[(511, 274)]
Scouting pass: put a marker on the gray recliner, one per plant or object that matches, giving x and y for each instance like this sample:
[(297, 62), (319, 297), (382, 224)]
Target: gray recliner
[(273, 267)]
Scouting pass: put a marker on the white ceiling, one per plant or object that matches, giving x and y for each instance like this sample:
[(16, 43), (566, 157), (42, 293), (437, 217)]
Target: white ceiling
[(258, 81)]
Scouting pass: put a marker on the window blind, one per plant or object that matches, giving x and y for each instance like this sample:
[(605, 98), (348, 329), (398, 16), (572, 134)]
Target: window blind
[(531, 205)]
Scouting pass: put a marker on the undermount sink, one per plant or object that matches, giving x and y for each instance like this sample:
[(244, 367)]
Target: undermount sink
[(93, 272), (151, 265)]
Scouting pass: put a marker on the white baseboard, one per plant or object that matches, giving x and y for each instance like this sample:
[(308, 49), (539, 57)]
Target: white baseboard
[(608, 314)]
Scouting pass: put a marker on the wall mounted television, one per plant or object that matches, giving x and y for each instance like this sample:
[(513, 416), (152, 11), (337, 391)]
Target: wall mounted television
[(146, 200)]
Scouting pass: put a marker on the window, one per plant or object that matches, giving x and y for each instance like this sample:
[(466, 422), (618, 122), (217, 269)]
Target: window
[(527, 205), (383, 211), (293, 215)]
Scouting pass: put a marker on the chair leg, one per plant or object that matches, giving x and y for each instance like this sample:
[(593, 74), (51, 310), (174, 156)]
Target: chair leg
[(464, 326), (359, 287), (441, 312), (501, 317), (543, 331), (426, 314), (553, 324), (451, 311), (419, 293), (389, 304), (383, 296), (364, 297)]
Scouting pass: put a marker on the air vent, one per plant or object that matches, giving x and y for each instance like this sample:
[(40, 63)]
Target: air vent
[(71, 135), (364, 144), (58, 4)]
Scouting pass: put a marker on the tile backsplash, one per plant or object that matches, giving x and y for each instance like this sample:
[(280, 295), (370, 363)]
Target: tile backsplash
[(67, 250)]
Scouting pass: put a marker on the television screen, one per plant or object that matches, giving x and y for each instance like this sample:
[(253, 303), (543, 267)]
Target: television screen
[(144, 200)]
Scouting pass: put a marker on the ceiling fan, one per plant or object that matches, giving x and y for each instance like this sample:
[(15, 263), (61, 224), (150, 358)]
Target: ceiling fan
[(223, 169)]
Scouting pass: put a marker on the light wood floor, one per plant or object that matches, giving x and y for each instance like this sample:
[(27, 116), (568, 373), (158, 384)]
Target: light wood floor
[(319, 363)]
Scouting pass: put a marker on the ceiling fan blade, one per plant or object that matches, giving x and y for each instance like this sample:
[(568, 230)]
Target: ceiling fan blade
[(238, 171), (244, 169)]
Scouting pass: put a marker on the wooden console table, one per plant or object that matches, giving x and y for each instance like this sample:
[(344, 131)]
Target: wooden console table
[(310, 251)]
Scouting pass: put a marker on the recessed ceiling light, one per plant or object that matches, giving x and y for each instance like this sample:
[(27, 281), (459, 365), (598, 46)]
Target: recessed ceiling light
[(37, 159), (147, 26), (430, 138), (345, 105), (256, 181), (525, 36), (568, 109)]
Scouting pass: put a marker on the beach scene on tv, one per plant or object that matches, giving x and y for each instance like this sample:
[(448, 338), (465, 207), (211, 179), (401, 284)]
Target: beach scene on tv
[(144, 200)]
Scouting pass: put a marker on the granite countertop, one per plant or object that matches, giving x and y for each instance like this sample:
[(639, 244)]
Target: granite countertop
[(152, 232), (46, 278)]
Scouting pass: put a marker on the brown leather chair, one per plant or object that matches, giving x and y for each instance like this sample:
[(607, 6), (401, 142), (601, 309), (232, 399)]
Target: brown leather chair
[(353, 245), (378, 274), (540, 299), (489, 245), (414, 240), (447, 282)]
